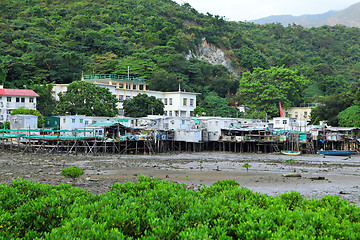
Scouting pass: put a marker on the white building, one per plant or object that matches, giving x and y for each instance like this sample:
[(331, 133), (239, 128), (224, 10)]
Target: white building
[(23, 122), (11, 99), (94, 119), (184, 128), (178, 103), (72, 122), (289, 124), (214, 126)]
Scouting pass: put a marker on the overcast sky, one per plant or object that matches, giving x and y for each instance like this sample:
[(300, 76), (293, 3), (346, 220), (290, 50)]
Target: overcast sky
[(245, 10)]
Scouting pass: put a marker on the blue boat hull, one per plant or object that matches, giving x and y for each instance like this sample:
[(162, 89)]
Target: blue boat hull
[(336, 153)]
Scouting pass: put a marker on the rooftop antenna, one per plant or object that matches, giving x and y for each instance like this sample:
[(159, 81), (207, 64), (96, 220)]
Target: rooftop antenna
[(82, 76), (179, 88)]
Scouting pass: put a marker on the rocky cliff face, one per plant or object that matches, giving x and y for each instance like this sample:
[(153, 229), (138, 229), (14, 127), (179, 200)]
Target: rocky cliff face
[(212, 55)]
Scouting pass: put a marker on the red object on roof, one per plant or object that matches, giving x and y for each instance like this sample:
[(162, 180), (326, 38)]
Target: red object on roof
[(18, 92)]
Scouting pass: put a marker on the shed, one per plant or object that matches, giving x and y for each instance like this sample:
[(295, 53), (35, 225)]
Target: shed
[(52, 122), (23, 122)]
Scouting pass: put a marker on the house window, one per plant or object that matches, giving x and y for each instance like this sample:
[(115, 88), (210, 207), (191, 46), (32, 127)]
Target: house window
[(86, 122), (277, 121), (191, 102), (184, 101), (296, 114), (127, 86), (121, 98), (81, 120), (31, 100), (305, 114), (64, 120), (170, 101), (284, 122), (8, 111), (170, 113), (73, 120), (17, 99), (128, 98), (8, 99), (134, 86), (165, 101), (141, 87), (22, 100)]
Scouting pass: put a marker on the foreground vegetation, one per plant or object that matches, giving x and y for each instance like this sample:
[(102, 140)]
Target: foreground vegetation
[(156, 209)]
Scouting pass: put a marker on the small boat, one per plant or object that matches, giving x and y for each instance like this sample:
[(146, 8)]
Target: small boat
[(291, 153), (336, 152)]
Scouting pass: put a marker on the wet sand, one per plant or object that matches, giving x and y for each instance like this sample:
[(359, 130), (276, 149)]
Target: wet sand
[(319, 176)]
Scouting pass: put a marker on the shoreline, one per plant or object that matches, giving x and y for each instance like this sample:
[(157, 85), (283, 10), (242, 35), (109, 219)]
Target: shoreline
[(319, 176)]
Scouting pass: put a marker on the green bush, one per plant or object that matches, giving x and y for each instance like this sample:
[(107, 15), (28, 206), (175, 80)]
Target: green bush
[(156, 209), (72, 172)]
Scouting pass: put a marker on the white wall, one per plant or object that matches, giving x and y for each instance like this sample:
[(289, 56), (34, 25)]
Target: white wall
[(23, 122), (72, 122), (173, 101), (9, 103)]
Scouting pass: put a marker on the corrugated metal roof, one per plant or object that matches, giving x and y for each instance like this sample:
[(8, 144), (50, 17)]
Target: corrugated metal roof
[(18, 92)]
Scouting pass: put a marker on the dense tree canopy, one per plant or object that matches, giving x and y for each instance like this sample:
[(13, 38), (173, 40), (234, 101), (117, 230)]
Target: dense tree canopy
[(350, 117), (142, 105), (329, 109), (213, 105), (85, 98), (263, 89), (55, 40)]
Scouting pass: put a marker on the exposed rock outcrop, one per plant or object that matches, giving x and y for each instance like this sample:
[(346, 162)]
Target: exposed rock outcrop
[(213, 55)]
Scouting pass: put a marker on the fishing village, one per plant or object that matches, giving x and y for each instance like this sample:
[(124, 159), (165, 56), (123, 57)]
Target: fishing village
[(161, 134), (176, 130)]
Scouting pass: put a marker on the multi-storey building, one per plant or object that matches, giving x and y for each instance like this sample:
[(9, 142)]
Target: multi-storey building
[(11, 99), (178, 103)]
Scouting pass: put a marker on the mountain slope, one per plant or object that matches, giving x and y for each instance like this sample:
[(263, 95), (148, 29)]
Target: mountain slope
[(349, 17), (303, 20)]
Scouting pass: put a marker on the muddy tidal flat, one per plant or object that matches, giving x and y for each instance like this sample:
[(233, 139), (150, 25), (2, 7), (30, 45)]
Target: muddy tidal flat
[(313, 176)]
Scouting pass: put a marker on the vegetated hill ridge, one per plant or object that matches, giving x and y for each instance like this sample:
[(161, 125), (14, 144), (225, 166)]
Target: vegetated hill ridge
[(45, 41)]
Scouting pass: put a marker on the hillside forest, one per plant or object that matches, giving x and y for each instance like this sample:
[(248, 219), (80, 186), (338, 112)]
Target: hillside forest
[(54, 41)]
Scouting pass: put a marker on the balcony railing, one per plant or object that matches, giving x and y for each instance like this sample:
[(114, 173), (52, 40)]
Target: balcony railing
[(122, 78)]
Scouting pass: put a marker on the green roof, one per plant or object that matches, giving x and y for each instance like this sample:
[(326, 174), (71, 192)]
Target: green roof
[(115, 77), (102, 124), (45, 130), (12, 135), (44, 137)]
